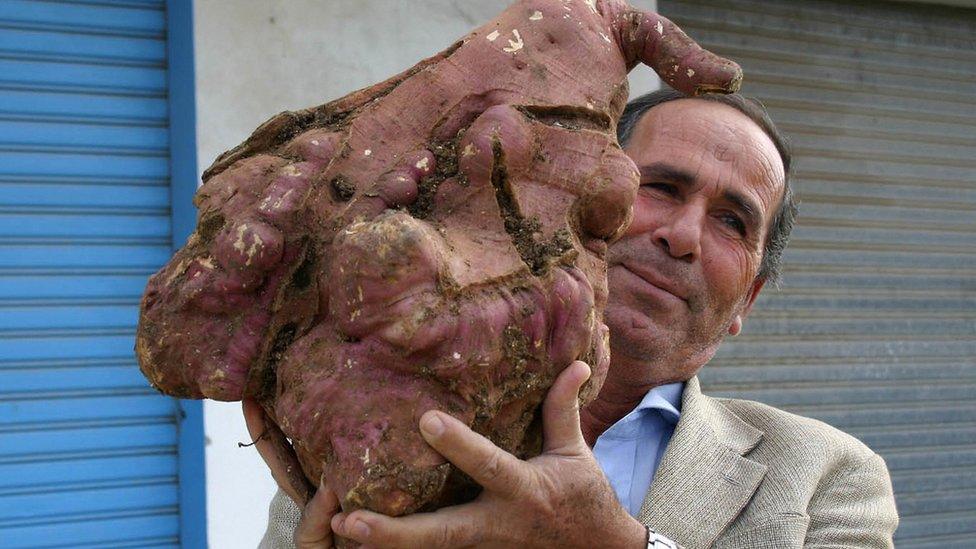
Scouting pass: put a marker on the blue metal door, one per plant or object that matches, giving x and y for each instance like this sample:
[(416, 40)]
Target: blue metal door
[(92, 94)]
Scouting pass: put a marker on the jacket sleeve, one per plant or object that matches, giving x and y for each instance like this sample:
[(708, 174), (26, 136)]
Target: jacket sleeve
[(854, 508), (283, 518)]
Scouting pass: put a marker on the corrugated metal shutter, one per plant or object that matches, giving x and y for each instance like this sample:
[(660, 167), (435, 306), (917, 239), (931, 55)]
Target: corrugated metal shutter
[(88, 452), (875, 328)]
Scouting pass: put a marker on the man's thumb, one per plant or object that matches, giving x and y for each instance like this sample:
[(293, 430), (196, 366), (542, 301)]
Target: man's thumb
[(560, 411)]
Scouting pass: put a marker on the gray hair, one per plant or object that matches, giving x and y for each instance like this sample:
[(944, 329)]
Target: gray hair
[(782, 223)]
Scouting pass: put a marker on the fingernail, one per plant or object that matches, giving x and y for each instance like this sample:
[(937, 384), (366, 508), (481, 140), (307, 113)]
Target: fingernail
[(359, 529), (589, 371), (432, 425)]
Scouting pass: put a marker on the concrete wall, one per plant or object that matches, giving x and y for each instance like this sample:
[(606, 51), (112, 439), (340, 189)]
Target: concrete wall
[(255, 58)]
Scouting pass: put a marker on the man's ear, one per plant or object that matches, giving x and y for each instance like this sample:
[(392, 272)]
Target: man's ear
[(736, 326)]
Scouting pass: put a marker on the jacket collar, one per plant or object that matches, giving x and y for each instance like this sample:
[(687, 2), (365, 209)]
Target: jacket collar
[(704, 480)]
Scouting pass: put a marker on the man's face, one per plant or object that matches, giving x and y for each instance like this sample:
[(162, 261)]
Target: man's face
[(684, 273)]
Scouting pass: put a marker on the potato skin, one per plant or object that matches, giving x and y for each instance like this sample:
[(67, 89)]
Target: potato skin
[(433, 241)]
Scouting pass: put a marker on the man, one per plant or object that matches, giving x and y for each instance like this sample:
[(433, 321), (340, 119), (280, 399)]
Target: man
[(711, 219)]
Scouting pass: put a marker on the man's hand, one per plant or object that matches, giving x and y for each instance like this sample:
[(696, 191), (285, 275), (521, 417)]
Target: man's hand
[(314, 530), (559, 498)]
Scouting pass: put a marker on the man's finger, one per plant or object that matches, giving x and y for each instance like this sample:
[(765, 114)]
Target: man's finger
[(315, 529), (660, 44), (459, 526), (560, 411), (257, 428), (277, 453), (490, 466)]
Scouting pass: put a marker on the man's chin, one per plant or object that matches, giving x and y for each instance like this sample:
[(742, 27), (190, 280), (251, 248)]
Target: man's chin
[(637, 336)]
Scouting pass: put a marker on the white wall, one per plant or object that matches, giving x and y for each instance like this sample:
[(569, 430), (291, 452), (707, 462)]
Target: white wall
[(255, 58)]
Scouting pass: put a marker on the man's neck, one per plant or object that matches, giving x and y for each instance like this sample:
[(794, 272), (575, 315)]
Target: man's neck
[(619, 396)]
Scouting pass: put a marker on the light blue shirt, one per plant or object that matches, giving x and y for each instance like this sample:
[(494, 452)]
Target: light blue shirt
[(631, 449)]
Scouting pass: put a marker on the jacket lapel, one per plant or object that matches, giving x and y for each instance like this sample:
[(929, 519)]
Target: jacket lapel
[(703, 481)]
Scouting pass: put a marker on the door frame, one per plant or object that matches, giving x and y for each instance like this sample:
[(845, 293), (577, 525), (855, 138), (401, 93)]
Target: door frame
[(183, 185)]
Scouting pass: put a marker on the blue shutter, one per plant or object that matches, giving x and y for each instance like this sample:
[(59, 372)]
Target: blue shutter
[(91, 94)]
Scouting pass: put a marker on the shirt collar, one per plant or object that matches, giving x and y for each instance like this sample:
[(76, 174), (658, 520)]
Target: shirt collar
[(666, 399)]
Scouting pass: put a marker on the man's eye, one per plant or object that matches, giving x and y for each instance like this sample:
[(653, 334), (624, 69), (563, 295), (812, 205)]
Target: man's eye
[(661, 187), (733, 222)]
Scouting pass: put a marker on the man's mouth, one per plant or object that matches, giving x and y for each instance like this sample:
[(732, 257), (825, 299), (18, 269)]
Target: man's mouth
[(657, 281)]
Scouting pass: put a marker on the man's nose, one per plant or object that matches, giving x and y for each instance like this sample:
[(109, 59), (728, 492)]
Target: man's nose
[(680, 235)]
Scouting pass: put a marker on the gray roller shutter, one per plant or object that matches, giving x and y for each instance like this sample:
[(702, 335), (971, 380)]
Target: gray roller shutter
[(874, 330)]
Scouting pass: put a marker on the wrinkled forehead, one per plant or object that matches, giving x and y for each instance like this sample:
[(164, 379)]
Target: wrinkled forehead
[(706, 133)]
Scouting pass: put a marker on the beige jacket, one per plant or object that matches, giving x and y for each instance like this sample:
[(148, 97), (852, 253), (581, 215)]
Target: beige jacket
[(740, 474)]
